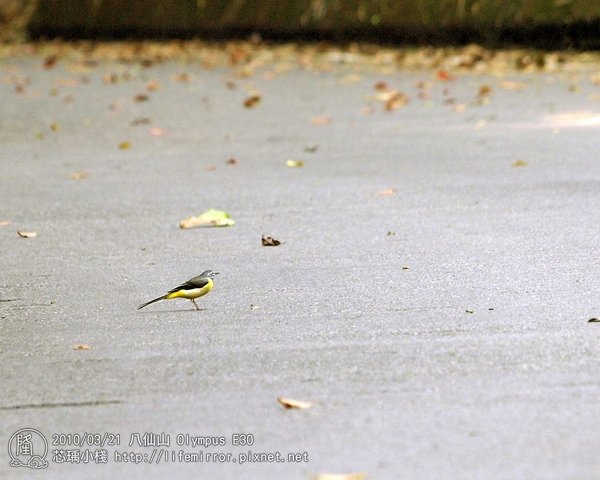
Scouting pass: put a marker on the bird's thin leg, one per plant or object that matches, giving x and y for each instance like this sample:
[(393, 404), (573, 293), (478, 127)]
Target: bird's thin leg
[(194, 302)]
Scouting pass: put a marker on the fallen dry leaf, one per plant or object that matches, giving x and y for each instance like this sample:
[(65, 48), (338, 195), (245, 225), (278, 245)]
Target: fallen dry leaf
[(210, 218), (231, 161), (294, 163), (140, 121), (269, 242), (68, 82), (350, 78), (444, 76), (381, 86), (594, 320), (50, 61), (142, 97), (510, 85), (78, 175), (26, 234), (519, 163), (321, 120), (341, 476), (484, 91), (388, 192), (181, 78), (296, 404), (110, 78), (210, 168), (311, 148), (152, 86), (157, 132), (252, 101), (125, 145), (254, 307), (396, 101), (55, 126), (4, 223), (368, 110), (81, 346)]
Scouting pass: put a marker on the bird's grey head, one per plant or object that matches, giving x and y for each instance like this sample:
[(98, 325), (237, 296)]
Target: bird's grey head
[(209, 273)]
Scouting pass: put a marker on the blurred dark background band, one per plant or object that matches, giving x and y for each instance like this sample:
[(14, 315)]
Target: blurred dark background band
[(537, 23)]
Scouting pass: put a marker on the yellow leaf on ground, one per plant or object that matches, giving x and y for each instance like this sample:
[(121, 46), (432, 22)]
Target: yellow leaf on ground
[(26, 234), (210, 218), (294, 163)]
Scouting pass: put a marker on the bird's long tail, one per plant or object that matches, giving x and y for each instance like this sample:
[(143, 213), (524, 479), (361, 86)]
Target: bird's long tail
[(152, 301)]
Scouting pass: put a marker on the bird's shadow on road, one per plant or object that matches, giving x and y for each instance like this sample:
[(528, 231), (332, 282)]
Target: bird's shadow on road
[(181, 310)]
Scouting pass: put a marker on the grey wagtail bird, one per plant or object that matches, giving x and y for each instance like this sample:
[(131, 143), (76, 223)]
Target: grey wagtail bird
[(194, 288)]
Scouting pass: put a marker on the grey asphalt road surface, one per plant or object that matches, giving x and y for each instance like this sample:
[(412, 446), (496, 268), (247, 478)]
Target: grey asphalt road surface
[(431, 296)]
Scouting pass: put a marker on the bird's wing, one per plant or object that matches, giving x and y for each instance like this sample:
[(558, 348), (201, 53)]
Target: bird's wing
[(196, 282)]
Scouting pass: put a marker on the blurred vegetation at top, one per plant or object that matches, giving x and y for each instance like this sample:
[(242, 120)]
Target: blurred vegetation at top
[(535, 23)]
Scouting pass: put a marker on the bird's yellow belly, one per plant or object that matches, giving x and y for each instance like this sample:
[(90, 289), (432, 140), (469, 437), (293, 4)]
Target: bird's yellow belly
[(193, 293)]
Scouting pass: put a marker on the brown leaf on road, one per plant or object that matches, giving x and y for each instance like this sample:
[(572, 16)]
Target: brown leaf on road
[(388, 192), (157, 132), (381, 86), (125, 145), (141, 97), (510, 85), (290, 403), (445, 76), (269, 242), (341, 476), (50, 61), (396, 101), (484, 91), (152, 86), (81, 346), (181, 78), (140, 121), (321, 120), (23, 234), (232, 161), (78, 175), (252, 101)]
